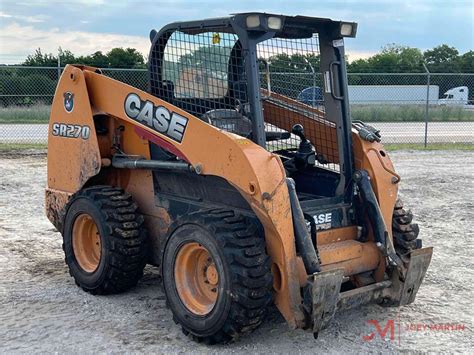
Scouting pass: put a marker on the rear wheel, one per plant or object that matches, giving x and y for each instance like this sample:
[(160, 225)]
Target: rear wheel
[(216, 275), (105, 242), (405, 233)]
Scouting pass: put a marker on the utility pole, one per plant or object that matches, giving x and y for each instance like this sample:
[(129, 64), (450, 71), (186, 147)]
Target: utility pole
[(314, 81), (59, 63), (428, 79)]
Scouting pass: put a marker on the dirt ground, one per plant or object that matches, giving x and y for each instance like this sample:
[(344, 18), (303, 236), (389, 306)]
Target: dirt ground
[(41, 309)]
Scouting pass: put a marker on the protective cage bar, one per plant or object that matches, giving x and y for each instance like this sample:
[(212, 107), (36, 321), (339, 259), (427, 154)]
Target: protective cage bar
[(204, 74)]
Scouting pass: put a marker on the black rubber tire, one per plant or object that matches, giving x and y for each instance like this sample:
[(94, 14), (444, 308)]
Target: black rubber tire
[(237, 247), (405, 233), (123, 239)]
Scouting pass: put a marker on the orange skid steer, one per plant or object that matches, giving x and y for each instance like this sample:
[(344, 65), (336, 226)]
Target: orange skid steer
[(242, 193)]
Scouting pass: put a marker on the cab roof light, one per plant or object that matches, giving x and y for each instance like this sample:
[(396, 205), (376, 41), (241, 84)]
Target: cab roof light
[(252, 21), (348, 29), (274, 23)]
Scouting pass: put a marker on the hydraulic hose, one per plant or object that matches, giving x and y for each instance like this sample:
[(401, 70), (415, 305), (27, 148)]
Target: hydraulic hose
[(379, 228), (304, 245)]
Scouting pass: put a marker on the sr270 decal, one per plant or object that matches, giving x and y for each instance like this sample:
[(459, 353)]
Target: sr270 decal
[(70, 130), (158, 118)]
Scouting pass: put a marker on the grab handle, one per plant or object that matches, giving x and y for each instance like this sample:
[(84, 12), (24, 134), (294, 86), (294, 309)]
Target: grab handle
[(331, 79)]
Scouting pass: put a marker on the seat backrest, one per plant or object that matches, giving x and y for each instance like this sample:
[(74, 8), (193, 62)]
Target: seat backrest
[(239, 90), (166, 91), (230, 121)]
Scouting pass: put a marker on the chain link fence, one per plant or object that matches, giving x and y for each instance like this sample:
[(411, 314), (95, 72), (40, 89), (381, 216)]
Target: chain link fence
[(415, 108)]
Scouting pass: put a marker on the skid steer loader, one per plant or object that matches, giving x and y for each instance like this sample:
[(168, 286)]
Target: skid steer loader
[(218, 175)]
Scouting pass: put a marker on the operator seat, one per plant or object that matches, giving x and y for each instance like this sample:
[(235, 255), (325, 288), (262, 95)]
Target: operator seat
[(167, 91), (229, 120)]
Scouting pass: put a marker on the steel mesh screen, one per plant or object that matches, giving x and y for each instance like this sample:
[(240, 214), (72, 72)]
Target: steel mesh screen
[(204, 74), (295, 95)]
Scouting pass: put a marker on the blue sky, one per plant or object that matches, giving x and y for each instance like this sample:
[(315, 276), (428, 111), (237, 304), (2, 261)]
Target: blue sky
[(84, 26)]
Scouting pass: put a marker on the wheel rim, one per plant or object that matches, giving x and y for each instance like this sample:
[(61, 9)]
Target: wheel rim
[(197, 278), (86, 243)]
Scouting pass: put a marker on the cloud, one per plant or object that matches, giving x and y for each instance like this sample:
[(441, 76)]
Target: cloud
[(353, 54), (29, 19), (85, 26), (4, 15), (18, 41)]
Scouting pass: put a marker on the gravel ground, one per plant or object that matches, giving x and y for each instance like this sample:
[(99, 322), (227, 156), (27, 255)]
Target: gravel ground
[(41, 309)]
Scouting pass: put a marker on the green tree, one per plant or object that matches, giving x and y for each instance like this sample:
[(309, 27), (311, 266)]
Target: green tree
[(466, 62), (40, 59), (212, 58), (290, 74), (125, 58), (66, 57), (442, 58), (97, 59), (297, 62), (393, 58)]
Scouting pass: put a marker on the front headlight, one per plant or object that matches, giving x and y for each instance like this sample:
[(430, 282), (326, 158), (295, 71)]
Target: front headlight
[(274, 23), (252, 21)]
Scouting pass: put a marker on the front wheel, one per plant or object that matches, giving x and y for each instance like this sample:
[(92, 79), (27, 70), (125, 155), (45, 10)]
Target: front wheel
[(405, 233), (216, 275)]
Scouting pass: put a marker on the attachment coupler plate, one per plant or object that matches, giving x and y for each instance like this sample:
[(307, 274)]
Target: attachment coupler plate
[(397, 291)]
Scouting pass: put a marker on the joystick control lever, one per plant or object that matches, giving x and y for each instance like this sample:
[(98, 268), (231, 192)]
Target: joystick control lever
[(305, 155), (299, 131)]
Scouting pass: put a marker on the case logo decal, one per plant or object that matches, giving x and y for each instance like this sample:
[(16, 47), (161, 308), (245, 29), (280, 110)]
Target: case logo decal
[(68, 101), (323, 221), (158, 118)]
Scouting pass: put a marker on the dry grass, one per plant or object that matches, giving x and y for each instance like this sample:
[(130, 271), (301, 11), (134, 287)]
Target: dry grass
[(25, 114), (410, 113)]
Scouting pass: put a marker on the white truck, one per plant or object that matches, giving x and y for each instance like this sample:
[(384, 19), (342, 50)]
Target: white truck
[(455, 96), (393, 94)]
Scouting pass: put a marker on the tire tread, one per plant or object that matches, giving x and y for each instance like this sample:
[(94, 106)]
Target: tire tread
[(127, 254), (405, 233), (251, 281)]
